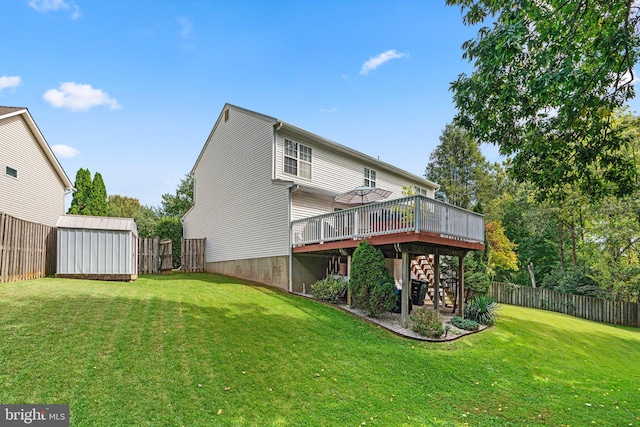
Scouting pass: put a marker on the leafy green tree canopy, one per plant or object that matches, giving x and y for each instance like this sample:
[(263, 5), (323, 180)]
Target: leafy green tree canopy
[(459, 167), (122, 206), (179, 203), (548, 76)]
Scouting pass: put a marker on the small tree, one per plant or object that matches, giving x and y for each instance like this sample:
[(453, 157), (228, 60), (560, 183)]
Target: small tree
[(371, 284), (177, 205)]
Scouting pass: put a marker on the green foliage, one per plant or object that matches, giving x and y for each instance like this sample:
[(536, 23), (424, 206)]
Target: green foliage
[(122, 206), (97, 201), (82, 193), (465, 324), (331, 289), (383, 298), (179, 203), (146, 219), (459, 167), (482, 309), (578, 281), (367, 271), (476, 273), (426, 322), (547, 77), (171, 228)]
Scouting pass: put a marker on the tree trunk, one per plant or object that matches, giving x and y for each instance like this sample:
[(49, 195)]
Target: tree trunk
[(533, 277), (561, 246)]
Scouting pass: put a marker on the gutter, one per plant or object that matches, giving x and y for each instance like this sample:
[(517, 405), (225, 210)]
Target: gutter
[(292, 187)]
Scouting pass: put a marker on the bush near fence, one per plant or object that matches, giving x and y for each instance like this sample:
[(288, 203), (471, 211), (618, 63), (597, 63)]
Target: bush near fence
[(590, 308)]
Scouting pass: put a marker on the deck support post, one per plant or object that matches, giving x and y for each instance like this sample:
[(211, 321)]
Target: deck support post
[(436, 281), (406, 276), (349, 275), (461, 284)]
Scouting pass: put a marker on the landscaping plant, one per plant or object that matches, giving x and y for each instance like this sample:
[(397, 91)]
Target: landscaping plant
[(370, 282), (427, 322), (465, 324), (482, 309), (331, 289)]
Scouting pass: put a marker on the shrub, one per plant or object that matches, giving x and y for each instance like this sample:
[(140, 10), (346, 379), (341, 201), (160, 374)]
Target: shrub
[(465, 324), (368, 272), (383, 298), (171, 228), (331, 289), (427, 323), (482, 309)]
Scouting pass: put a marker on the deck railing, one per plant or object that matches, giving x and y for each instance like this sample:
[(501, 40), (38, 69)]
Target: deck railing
[(409, 214)]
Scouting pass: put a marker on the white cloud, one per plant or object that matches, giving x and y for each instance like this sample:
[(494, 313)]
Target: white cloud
[(64, 151), (377, 61), (328, 110), (9, 81), (44, 6), (186, 28), (47, 5), (76, 13), (79, 97)]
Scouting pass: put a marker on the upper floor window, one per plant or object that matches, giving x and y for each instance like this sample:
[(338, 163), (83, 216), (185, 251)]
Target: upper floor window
[(297, 159), (369, 177), (11, 172), (420, 191)]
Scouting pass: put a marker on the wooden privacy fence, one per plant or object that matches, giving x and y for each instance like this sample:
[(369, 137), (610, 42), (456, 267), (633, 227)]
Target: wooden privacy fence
[(148, 255), (192, 255), (596, 309), (27, 249)]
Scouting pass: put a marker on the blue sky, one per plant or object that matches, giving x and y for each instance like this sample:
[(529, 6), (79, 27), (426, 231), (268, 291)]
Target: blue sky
[(131, 89)]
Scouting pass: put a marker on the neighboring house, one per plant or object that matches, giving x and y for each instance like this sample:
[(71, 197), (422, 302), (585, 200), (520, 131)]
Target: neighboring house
[(264, 198), (33, 185)]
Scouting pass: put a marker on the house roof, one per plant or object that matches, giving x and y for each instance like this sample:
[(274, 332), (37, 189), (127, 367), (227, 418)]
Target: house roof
[(282, 125), (6, 112), (97, 223)]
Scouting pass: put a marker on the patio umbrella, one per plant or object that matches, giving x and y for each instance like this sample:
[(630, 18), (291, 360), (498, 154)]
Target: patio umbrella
[(363, 195)]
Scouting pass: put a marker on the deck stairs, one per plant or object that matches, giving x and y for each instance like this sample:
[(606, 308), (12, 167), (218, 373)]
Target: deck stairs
[(422, 268)]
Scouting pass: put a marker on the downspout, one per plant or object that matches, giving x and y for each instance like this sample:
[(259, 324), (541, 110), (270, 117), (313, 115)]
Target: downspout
[(276, 127), (292, 187)]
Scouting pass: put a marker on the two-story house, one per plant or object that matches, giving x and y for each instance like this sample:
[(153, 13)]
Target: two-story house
[(265, 198), (33, 185)]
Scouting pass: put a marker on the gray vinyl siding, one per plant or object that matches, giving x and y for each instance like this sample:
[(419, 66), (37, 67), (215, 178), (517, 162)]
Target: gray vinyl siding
[(38, 193), (238, 208), (334, 173)]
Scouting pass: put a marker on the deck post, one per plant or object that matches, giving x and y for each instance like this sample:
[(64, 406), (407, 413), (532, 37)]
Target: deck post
[(404, 303), (436, 281), (461, 285), (348, 275)]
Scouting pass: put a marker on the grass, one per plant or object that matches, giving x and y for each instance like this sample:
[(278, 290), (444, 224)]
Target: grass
[(202, 350)]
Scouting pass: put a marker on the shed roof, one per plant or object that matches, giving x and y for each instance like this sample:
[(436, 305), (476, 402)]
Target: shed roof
[(97, 223)]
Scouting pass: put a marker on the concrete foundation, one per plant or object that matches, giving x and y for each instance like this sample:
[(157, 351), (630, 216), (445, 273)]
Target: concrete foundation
[(271, 271)]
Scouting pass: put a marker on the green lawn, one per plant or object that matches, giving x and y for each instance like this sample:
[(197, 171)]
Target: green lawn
[(202, 350)]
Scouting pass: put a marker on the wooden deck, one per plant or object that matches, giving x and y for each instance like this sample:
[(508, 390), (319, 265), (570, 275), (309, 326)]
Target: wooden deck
[(411, 220)]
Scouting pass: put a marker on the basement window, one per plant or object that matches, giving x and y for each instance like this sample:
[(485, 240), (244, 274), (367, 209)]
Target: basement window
[(11, 172)]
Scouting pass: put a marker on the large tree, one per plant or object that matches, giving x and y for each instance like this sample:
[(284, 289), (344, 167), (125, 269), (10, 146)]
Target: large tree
[(459, 167), (548, 76), (97, 201), (179, 203), (122, 206), (82, 187)]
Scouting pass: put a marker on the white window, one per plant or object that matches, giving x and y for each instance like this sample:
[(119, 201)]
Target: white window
[(369, 177), (297, 159), (11, 172), (420, 191)]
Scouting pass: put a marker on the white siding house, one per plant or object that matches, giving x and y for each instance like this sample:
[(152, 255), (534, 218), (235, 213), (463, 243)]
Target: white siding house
[(256, 174), (33, 185)]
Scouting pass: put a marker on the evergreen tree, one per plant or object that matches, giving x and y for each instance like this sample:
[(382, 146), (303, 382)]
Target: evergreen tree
[(459, 167), (81, 195), (97, 201)]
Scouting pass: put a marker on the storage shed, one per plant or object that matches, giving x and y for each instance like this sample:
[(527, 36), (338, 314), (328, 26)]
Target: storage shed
[(99, 248)]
